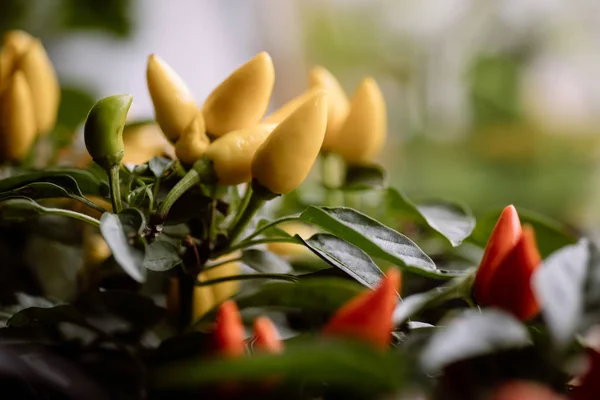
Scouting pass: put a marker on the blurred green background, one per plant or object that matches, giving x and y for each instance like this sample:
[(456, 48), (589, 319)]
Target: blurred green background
[(489, 103)]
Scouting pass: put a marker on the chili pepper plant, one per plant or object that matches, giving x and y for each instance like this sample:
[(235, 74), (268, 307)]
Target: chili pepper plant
[(220, 251)]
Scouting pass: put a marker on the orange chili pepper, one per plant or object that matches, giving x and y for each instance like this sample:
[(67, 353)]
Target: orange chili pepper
[(509, 261), (229, 332), (523, 390), (368, 316), (267, 340)]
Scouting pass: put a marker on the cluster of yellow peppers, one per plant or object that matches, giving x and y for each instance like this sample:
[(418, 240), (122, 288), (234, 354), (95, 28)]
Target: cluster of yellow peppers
[(29, 95), (278, 150)]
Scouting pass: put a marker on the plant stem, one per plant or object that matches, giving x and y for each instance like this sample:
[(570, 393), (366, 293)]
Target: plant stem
[(72, 214), (201, 171), (220, 263), (256, 201), (244, 203), (246, 243), (270, 225), (281, 277), (329, 179), (115, 188)]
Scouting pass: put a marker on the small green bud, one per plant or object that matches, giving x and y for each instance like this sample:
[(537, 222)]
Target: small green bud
[(104, 130)]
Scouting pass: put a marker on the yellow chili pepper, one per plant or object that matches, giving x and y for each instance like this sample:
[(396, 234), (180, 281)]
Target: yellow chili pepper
[(207, 297), (292, 250), (285, 110), (285, 158), (42, 80), (174, 105), (17, 124), (22, 52), (242, 99), (364, 131), (144, 142), (232, 154), (95, 249), (338, 105), (193, 142)]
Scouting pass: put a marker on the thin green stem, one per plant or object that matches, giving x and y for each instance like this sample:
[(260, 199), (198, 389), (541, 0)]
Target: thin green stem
[(255, 202), (89, 203), (329, 179), (220, 263), (281, 277), (244, 203), (246, 244), (115, 189), (72, 214), (270, 225), (201, 171)]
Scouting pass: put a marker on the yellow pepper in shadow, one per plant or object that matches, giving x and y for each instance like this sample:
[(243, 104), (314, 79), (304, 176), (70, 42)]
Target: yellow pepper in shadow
[(22, 52), (292, 250), (338, 105), (17, 124), (193, 142), (364, 131), (286, 157), (232, 154), (242, 99), (144, 142), (174, 105), (208, 297)]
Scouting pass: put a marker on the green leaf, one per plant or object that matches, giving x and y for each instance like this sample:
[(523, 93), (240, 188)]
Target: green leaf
[(550, 235), (52, 187), (132, 307), (352, 366), (364, 177), (452, 220), (48, 315), (161, 256), (411, 306), (566, 289), (345, 256), (86, 181), (265, 261), (19, 209), (129, 257), (312, 295), (158, 166), (374, 238), (472, 334)]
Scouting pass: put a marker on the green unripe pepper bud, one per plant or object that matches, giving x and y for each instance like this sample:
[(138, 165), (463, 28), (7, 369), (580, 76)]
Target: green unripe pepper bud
[(104, 130)]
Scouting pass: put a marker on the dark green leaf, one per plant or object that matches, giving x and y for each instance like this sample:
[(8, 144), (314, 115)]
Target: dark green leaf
[(374, 238), (312, 295), (550, 235), (161, 256), (453, 221), (86, 181), (352, 366), (474, 334), (364, 177), (129, 257), (48, 315), (19, 209), (265, 261), (132, 307), (345, 256)]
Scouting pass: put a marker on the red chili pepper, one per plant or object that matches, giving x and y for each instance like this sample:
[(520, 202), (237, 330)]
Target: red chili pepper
[(229, 331), (523, 390), (509, 261), (590, 383), (267, 340), (368, 316)]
